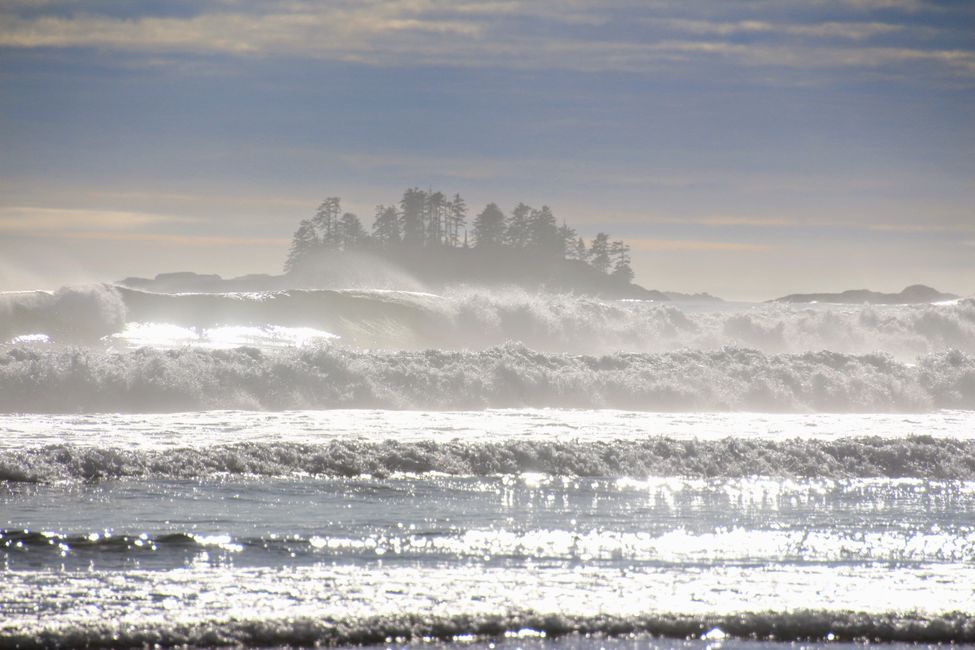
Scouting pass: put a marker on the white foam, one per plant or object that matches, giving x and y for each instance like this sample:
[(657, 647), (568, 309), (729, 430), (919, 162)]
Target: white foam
[(168, 336)]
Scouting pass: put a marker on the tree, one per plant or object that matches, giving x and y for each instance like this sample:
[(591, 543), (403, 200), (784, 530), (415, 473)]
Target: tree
[(567, 240), (620, 252), (516, 232), (351, 233), (599, 253), (543, 234), (326, 221), (385, 228), (582, 253), (436, 209), (412, 209), (304, 244), (489, 227), (458, 220), (429, 219)]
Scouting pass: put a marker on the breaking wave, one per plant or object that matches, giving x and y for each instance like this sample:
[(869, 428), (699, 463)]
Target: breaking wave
[(917, 457), (38, 549), (76, 380), (70, 314), (475, 319), (520, 628)]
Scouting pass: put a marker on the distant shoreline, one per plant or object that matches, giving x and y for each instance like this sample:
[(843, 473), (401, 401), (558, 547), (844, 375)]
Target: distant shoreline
[(914, 294)]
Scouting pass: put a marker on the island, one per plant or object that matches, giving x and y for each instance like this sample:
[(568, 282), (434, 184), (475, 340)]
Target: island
[(427, 242), (914, 294)]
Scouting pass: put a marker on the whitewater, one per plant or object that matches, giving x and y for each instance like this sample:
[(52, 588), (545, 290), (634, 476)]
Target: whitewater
[(483, 468)]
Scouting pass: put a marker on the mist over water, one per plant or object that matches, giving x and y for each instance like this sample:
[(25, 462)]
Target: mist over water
[(393, 357), (78, 380), (360, 466), (480, 318)]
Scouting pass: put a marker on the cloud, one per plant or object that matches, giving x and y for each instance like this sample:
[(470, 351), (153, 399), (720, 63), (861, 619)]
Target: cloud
[(200, 200), (922, 227), (694, 245), (855, 31), (35, 219), (506, 34), (874, 5), (182, 240), (733, 220)]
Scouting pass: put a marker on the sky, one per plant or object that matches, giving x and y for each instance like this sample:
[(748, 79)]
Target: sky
[(743, 147)]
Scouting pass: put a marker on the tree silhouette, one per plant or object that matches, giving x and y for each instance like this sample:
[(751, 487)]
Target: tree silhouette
[(543, 234), (412, 212), (385, 227), (304, 245), (620, 252), (351, 233), (567, 240), (436, 212), (599, 253), (326, 221), (489, 227), (458, 220), (581, 252), (516, 231), (427, 220)]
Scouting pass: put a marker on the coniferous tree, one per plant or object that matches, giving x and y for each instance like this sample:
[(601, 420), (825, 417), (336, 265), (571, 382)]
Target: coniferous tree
[(543, 234), (567, 240), (436, 208), (412, 213), (326, 221), (458, 219), (351, 233), (430, 219), (581, 252), (385, 228), (599, 253), (620, 253), (516, 231), (304, 245), (489, 227)]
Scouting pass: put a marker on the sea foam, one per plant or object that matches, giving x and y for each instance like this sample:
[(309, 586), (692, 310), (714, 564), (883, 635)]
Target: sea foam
[(79, 380), (920, 457), (480, 318)]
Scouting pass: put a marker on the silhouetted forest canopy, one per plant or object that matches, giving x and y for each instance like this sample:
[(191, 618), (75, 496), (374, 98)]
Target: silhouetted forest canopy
[(430, 234)]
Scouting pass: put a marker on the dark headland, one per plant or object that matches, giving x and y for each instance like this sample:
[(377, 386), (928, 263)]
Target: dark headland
[(914, 294), (573, 281)]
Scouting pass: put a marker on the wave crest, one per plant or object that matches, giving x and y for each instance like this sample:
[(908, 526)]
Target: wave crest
[(506, 376), (469, 318), (509, 376), (916, 457), (71, 314)]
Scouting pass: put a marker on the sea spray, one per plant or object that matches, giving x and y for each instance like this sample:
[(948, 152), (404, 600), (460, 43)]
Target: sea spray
[(653, 456), (480, 318), (509, 376), (70, 314)]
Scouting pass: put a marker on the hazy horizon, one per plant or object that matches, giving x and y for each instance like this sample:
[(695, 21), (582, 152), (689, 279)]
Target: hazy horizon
[(743, 149), (452, 425)]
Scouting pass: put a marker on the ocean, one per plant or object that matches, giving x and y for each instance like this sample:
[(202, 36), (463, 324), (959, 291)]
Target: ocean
[(483, 469)]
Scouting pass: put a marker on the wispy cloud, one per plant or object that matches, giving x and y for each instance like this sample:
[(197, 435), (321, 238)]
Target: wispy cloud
[(854, 30), (162, 238), (922, 227), (40, 219), (730, 220), (199, 200), (508, 34), (695, 245)]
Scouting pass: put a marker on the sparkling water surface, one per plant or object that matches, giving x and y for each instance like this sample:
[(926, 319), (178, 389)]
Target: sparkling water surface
[(298, 559)]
